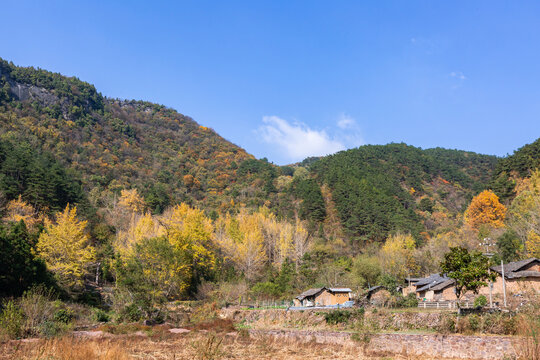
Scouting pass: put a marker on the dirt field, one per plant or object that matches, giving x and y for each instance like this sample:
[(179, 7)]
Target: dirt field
[(195, 345)]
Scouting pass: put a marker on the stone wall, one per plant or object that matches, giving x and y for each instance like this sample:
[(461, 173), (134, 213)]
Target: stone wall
[(419, 346)]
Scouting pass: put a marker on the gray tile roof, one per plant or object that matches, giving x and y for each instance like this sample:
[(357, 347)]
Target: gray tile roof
[(373, 288), (522, 274), (310, 292), (430, 282), (515, 265), (443, 285)]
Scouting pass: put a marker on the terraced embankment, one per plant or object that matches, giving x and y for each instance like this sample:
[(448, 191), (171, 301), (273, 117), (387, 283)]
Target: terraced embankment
[(382, 333), (407, 345)]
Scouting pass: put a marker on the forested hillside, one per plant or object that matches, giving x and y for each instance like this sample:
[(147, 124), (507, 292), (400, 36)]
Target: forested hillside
[(114, 144), (380, 189), (518, 165)]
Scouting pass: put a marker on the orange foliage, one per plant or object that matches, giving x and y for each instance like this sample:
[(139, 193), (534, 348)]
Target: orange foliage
[(485, 209)]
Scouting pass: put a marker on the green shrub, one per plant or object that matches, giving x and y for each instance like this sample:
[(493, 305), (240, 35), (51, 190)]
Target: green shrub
[(50, 329), (359, 312), (447, 325), (38, 307), (509, 325), (12, 320), (409, 301), (100, 315), (474, 322), (131, 313), (63, 316), (335, 317), (480, 301)]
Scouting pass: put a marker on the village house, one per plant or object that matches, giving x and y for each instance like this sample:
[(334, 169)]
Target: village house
[(432, 287), (520, 277), (411, 285), (377, 295), (323, 297)]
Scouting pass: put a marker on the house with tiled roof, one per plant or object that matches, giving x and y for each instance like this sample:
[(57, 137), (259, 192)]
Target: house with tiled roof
[(520, 277), (323, 297), (435, 288)]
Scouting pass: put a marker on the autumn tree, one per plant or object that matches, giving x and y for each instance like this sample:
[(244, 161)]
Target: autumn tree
[(300, 241), (282, 239), (241, 239), (365, 270), (64, 245), (397, 255), (485, 210), (190, 232), (533, 244), (131, 221), (18, 209), (142, 227), (524, 213), (155, 272), (132, 201)]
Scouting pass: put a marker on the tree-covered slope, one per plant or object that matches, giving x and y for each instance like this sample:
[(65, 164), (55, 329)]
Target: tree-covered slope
[(116, 144), (518, 165), (380, 189)]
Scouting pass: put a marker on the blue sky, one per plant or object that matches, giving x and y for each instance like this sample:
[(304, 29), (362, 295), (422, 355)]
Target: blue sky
[(289, 79)]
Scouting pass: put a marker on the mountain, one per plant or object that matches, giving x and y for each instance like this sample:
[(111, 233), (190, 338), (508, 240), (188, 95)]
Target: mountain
[(114, 144), (380, 189)]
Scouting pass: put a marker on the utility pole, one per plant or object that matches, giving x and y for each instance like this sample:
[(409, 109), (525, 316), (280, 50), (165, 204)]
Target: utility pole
[(504, 283), (487, 243)]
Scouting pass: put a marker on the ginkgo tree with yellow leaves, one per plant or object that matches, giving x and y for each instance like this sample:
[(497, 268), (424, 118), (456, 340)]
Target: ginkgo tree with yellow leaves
[(252, 240), (242, 241), (65, 247), (485, 210), (190, 232), (397, 256), (162, 256)]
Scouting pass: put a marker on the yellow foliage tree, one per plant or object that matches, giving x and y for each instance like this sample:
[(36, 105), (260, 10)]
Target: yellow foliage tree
[(242, 240), (190, 231), (132, 201), (485, 209), (524, 212), (142, 227), (17, 210), (167, 251), (532, 244), (397, 255), (64, 247), (165, 270)]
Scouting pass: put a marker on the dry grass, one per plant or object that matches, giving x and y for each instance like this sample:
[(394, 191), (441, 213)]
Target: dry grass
[(529, 330), (195, 345)]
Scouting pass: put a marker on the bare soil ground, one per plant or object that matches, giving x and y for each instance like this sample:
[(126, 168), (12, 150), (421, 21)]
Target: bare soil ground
[(194, 345)]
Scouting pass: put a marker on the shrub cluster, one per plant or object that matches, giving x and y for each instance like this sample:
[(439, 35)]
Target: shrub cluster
[(36, 313)]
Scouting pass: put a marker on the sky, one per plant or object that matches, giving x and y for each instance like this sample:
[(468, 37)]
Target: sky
[(290, 79)]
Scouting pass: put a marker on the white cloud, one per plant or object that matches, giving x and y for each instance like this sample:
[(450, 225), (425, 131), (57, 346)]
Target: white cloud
[(298, 141), (458, 75), (346, 122)]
